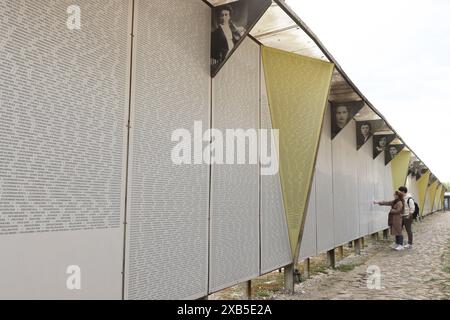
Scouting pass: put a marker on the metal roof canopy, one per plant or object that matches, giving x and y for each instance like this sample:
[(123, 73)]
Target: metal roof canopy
[(281, 28)]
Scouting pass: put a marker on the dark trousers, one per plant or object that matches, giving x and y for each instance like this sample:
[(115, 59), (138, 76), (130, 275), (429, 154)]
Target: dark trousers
[(407, 223), (399, 240)]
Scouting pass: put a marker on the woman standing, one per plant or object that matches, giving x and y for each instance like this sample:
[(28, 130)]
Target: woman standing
[(395, 217)]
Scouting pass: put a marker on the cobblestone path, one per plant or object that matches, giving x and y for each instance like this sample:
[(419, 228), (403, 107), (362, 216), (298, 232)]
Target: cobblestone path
[(420, 273)]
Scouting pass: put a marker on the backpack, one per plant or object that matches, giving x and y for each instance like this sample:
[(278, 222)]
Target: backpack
[(416, 209)]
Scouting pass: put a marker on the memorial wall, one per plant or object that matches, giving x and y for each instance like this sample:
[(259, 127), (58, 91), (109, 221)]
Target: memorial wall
[(92, 204)]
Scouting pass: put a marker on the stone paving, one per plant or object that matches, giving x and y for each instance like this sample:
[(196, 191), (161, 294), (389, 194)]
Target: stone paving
[(420, 273)]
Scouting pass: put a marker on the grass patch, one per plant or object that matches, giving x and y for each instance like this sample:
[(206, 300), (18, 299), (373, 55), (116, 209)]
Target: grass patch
[(262, 294), (347, 267), (319, 269)]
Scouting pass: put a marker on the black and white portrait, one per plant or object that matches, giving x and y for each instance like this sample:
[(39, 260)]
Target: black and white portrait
[(342, 113), (365, 130), (392, 151), (413, 168), (226, 34), (422, 169), (432, 179), (380, 142), (231, 23)]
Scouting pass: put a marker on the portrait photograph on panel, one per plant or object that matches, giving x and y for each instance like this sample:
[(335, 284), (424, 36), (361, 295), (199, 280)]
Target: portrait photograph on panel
[(365, 130), (392, 151), (380, 142), (342, 113), (231, 23), (413, 168), (421, 171), (432, 179)]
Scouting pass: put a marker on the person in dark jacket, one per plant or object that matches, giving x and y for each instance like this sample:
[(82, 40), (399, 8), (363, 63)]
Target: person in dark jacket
[(225, 36), (395, 220)]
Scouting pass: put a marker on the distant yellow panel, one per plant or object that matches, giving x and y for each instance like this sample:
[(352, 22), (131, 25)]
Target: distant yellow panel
[(422, 186), (399, 167), (437, 198), (297, 89), (431, 194)]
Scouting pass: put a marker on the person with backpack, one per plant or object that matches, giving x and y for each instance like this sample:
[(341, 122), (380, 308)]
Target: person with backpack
[(395, 218), (411, 210)]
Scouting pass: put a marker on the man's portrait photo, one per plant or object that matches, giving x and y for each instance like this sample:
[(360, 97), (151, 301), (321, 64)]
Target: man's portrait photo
[(342, 113), (226, 35), (392, 151), (231, 23), (366, 129), (365, 132)]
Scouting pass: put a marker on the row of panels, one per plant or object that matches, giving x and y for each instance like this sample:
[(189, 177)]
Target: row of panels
[(346, 182), (345, 185), (195, 229), (72, 178), (89, 192)]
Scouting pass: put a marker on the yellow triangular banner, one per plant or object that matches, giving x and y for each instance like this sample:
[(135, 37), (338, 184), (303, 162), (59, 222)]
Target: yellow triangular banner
[(437, 198), (422, 186), (431, 194), (297, 89), (399, 168)]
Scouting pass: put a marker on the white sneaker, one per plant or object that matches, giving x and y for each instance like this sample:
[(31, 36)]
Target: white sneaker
[(399, 248), (408, 246), (394, 245)]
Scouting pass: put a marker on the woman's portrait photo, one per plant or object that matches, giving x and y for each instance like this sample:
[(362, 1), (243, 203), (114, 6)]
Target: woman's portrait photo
[(380, 142), (342, 113), (342, 116)]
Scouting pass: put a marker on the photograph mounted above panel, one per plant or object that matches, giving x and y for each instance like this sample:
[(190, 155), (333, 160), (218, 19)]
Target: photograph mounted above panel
[(230, 24), (413, 168), (366, 129), (432, 180), (392, 151), (380, 141), (421, 170), (342, 113)]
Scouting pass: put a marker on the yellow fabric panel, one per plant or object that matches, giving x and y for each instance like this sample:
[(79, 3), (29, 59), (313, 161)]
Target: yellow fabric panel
[(437, 197), (297, 89), (422, 186), (399, 167), (442, 198), (432, 194)]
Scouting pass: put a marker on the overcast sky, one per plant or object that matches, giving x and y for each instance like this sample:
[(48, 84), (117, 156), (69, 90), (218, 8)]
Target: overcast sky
[(398, 54)]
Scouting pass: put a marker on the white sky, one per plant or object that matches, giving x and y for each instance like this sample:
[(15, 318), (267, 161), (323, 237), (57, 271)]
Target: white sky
[(397, 53)]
